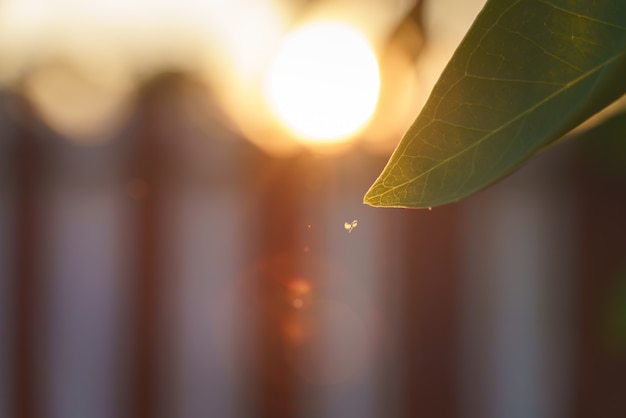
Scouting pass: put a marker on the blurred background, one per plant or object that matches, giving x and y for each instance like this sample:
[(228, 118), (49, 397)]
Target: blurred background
[(182, 233)]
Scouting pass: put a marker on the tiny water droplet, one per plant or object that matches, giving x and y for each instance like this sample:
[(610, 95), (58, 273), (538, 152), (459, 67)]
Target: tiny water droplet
[(430, 208)]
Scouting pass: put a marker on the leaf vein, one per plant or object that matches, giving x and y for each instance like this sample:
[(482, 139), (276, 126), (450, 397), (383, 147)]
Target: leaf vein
[(581, 16), (545, 51), (456, 125), (514, 80)]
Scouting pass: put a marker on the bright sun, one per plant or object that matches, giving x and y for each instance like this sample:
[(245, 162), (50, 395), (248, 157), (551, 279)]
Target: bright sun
[(323, 83)]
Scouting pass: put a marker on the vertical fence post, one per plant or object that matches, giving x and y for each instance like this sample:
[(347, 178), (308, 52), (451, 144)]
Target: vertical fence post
[(430, 274), (149, 168), (277, 253), (28, 160)]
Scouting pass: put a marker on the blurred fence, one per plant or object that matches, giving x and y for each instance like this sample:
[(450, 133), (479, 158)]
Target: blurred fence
[(177, 271)]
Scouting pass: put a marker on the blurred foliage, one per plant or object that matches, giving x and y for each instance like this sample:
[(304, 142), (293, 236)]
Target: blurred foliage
[(604, 145)]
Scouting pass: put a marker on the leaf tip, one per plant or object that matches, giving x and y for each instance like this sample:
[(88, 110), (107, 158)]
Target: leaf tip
[(372, 198)]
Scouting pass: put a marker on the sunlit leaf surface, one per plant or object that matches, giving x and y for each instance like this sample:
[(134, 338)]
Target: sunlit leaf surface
[(527, 72)]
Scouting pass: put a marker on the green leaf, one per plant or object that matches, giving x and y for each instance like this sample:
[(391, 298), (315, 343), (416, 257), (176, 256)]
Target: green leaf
[(526, 73)]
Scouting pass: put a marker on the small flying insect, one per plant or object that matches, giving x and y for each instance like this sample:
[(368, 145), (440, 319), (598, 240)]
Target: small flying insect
[(349, 226)]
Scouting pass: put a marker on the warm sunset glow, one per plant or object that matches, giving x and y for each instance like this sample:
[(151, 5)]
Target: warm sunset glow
[(324, 81)]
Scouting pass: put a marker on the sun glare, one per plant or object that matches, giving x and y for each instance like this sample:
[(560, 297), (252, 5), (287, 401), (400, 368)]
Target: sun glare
[(323, 83)]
